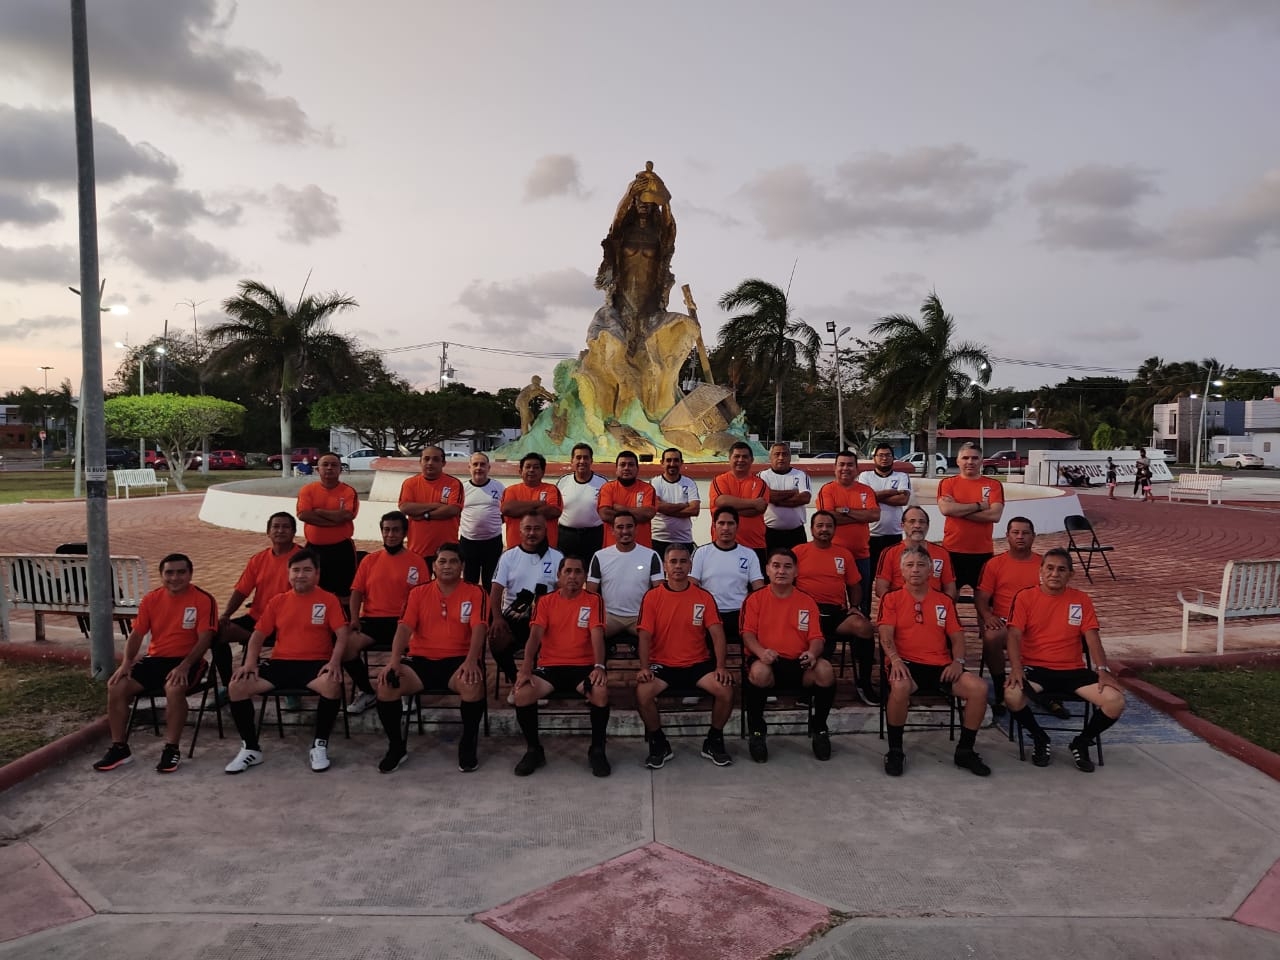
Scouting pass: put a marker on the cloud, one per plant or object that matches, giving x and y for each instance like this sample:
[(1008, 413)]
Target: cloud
[(1095, 185), (39, 147), (1244, 225), (532, 298), (26, 209), (1119, 333), (173, 206), (37, 326), (310, 213), (166, 254), (157, 49), (715, 216), (42, 264), (553, 175)]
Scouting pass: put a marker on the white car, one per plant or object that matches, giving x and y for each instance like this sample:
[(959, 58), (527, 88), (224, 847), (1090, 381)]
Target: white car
[(363, 459), (1242, 461), (917, 460)]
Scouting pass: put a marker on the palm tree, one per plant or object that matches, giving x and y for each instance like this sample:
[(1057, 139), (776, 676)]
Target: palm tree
[(285, 345), (765, 340), (916, 365)]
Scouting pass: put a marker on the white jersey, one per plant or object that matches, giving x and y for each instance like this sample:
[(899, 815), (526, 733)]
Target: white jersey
[(726, 574), (481, 510), (681, 490), (890, 522), (785, 518), (520, 570), (624, 578), (581, 501)]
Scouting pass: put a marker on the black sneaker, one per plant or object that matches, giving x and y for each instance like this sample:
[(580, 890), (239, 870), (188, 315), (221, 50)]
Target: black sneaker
[(1040, 753), (758, 747), (531, 761), (969, 760), (713, 749), (867, 695), (600, 766), (117, 755), (394, 759), (893, 761), (170, 757), (1079, 748), (468, 762), (659, 753), (822, 745)]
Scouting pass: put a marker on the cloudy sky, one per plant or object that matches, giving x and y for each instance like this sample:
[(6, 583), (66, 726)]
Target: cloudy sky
[(1086, 184)]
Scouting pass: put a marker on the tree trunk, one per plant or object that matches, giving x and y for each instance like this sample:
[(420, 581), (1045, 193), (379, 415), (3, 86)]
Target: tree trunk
[(931, 443), (777, 410), (286, 434)]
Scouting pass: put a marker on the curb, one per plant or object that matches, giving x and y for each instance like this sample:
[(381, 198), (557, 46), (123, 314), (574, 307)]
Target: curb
[(37, 761), (44, 653)]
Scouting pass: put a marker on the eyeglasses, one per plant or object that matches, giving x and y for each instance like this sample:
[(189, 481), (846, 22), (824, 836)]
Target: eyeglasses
[(919, 613)]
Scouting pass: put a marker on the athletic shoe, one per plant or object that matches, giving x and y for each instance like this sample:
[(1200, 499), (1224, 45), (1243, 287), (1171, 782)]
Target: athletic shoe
[(893, 761), (1056, 709), (1040, 753), (117, 755), (170, 757), (599, 762), (758, 748), (394, 759), (659, 753), (531, 761), (866, 694), (320, 755), (969, 760), (822, 745), (245, 759), (1079, 748), (713, 749), (362, 702), (468, 762)]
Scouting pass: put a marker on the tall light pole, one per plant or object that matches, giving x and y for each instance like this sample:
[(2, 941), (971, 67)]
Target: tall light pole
[(835, 343), (195, 329), (1204, 406), (44, 413)]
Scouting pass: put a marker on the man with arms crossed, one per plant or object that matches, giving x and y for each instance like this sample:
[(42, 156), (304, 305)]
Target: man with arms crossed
[(531, 496), (265, 575), (855, 507), (789, 494), (893, 493), (972, 505), (480, 525), (678, 503), (433, 501), (1002, 578), (581, 529), (628, 492), (747, 494), (622, 574), (327, 509)]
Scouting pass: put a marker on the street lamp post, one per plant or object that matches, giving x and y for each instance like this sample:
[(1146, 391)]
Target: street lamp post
[(195, 329), (44, 414), (982, 439), (1204, 407), (835, 343)]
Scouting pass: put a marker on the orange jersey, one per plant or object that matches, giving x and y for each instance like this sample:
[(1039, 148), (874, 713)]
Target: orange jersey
[(854, 537), (639, 494), (1003, 576), (442, 625), (1053, 627), (924, 641), (677, 620), (566, 628), (750, 529), (787, 624), (889, 567), (304, 624), (960, 534), (266, 575), (175, 621), (386, 580), (315, 496), (544, 492), (426, 536), (825, 574)]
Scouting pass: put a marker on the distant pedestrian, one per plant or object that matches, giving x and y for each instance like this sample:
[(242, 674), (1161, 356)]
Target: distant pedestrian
[(1111, 479), (1141, 466)]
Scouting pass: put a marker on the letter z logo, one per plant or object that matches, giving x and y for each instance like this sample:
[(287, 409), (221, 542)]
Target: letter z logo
[(802, 619), (699, 613), (318, 611), (189, 618), (584, 617), (839, 564), (940, 610), (464, 611), (742, 563), (546, 567), (1075, 614)]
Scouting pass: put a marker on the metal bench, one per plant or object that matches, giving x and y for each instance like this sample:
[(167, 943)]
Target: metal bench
[(1250, 588), (59, 583), (1207, 485), (138, 477)]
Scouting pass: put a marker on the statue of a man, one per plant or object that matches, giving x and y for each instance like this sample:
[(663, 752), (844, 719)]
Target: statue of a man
[(525, 398)]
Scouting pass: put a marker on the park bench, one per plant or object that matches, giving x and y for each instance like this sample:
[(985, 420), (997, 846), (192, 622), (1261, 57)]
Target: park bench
[(138, 477), (1207, 485), (59, 583), (1250, 588)]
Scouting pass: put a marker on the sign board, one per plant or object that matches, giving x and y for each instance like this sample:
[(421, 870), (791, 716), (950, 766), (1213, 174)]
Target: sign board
[(1045, 466), (96, 474)]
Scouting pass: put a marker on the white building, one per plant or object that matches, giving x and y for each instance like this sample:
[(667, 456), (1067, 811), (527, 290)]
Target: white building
[(1261, 433)]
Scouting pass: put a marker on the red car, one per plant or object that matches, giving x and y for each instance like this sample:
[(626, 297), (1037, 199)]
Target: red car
[(157, 461), (227, 460), (298, 455)]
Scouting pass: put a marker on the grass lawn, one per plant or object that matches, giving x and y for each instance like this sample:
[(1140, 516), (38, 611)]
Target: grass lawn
[(40, 702), (1242, 700), (16, 486)]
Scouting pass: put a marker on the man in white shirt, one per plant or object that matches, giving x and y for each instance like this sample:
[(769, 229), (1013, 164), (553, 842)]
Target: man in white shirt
[(727, 570), (893, 493), (622, 574), (678, 503), (581, 529), (480, 525), (527, 571), (789, 495)]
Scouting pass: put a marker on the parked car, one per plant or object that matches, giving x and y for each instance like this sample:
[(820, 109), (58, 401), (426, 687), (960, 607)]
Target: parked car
[(1242, 461), (299, 455), (157, 460), (363, 459), (1004, 460), (227, 460), (917, 460), (121, 458)]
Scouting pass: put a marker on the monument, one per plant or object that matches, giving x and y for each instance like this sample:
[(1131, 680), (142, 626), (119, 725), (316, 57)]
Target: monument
[(623, 392)]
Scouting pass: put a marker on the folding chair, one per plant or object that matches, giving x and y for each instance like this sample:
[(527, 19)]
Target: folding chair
[(800, 695), (940, 703), (299, 692), (415, 707), (1089, 708), (206, 682), (1084, 551)]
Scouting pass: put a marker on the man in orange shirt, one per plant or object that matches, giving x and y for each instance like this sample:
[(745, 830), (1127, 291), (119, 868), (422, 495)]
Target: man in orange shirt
[(972, 505), (1002, 578), (1049, 629), (531, 495), (311, 637), (265, 575), (855, 507), (627, 492), (433, 502), (327, 509), (439, 645), (565, 655), (747, 494), (181, 619), (915, 526), (782, 640), (923, 643)]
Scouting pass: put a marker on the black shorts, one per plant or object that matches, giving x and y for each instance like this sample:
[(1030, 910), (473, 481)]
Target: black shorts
[(683, 678), (584, 542), (729, 620), (151, 671), (519, 631), (381, 629), (290, 674), (480, 559), (783, 538), (434, 674), (788, 674), (1057, 684), (245, 622), (564, 680), (337, 566), (928, 678), (968, 568)]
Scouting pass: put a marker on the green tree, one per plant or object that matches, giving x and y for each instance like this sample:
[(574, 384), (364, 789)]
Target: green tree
[(414, 420), (1104, 437), (177, 423), (283, 345), (766, 342)]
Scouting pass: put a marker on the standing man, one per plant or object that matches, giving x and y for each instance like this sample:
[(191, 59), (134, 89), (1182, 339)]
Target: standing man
[(782, 641), (1048, 632), (622, 574), (531, 496), (678, 503), (893, 493), (789, 494), (565, 655), (727, 570), (480, 526), (628, 492), (915, 522), (433, 501), (181, 619), (855, 507), (1002, 578), (327, 508), (747, 494), (525, 572), (581, 529), (265, 575), (972, 505)]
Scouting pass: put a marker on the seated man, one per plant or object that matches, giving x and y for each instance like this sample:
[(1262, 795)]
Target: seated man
[(311, 637), (525, 572), (675, 619), (265, 575), (782, 640), (565, 655), (1002, 577), (924, 645), (443, 629), (622, 574), (1048, 630), (915, 527), (181, 619), (383, 583)]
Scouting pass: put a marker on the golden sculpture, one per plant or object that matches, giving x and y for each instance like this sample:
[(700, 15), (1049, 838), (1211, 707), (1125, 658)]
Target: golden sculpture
[(534, 391)]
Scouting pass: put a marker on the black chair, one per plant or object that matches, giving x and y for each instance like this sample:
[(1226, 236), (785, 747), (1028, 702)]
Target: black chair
[(1089, 708), (935, 705), (300, 692), (1084, 552), (206, 683), (801, 696), (415, 707)]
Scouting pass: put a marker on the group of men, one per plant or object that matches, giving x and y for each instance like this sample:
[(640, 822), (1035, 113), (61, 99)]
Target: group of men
[(590, 565)]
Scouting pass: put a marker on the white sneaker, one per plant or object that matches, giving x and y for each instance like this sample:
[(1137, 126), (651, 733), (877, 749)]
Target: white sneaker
[(320, 755), (361, 703), (245, 759)]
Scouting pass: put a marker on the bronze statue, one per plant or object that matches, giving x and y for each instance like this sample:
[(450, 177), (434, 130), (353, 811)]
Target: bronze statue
[(524, 399)]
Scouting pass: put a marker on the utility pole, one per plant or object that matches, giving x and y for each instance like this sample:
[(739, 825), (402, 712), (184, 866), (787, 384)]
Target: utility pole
[(444, 365)]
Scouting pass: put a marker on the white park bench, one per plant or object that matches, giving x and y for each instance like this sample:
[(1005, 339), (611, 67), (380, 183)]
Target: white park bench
[(59, 583), (138, 477), (1250, 588), (1207, 485)]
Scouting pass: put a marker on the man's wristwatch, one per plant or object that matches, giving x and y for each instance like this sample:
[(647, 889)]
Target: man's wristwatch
[(959, 660), (601, 666), (1105, 669)]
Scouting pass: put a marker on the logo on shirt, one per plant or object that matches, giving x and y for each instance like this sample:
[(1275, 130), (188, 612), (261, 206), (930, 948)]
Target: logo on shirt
[(742, 563), (864, 500), (412, 578), (546, 567), (318, 611), (639, 499), (493, 494), (699, 612), (1075, 614), (937, 567), (189, 618), (940, 610), (802, 619), (584, 617), (839, 564), (542, 495), (444, 494), (986, 492), (464, 611)]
